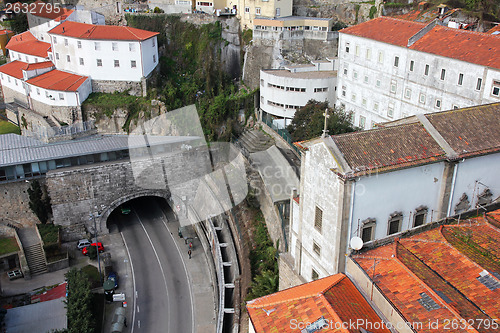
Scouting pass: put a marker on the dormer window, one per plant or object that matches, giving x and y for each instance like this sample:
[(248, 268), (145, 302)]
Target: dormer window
[(368, 230), (394, 223)]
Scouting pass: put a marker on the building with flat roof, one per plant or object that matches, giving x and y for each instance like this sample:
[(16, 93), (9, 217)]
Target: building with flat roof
[(391, 68)]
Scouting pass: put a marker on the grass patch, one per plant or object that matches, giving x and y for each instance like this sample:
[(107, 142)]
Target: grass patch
[(6, 128), (49, 233), (92, 274), (8, 245)]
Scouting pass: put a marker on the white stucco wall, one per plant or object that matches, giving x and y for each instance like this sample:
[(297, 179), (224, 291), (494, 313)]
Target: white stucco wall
[(377, 196), (13, 55), (293, 98), (69, 98), (12, 83), (106, 54), (362, 96), (474, 175), (149, 51)]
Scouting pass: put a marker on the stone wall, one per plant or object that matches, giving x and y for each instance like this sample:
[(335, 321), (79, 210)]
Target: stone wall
[(349, 12), (14, 201), (10, 95), (65, 114), (110, 86)]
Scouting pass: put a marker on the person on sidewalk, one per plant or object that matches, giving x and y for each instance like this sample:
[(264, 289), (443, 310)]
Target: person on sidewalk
[(189, 253)]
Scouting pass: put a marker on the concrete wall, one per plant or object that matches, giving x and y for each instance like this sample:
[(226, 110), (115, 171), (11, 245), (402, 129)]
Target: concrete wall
[(13, 55), (110, 86), (288, 276), (66, 114)]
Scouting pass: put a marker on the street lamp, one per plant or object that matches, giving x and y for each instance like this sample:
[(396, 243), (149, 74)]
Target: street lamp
[(92, 216)]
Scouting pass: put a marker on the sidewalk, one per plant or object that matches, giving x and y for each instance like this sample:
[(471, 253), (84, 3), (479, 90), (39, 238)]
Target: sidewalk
[(197, 266)]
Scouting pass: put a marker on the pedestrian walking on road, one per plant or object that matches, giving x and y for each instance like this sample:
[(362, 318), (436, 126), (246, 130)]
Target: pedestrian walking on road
[(189, 253)]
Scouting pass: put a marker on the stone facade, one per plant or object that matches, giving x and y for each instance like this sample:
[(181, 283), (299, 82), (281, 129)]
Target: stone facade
[(15, 204), (63, 114), (288, 276), (110, 86)]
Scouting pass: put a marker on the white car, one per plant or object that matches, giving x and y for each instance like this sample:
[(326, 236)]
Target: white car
[(82, 243)]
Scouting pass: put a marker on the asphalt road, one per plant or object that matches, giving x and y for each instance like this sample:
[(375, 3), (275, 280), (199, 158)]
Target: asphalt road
[(163, 298)]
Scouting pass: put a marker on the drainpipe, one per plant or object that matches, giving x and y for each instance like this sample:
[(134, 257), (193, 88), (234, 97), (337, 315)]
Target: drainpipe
[(351, 211), (455, 168)]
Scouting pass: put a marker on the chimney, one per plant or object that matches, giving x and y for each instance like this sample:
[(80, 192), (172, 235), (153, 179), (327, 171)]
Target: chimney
[(63, 30)]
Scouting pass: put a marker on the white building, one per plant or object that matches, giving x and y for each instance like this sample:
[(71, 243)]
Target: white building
[(25, 47), (391, 68), (44, 17), (104, 52), (379, 183), (283, 91), (248, 10)]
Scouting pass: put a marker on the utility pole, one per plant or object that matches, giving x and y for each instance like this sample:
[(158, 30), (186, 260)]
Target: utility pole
[(326, 115), (93, 216)]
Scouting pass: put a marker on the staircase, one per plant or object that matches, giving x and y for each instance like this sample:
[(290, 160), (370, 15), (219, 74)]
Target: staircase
[(255, 140), (36, 259), (51, 122)]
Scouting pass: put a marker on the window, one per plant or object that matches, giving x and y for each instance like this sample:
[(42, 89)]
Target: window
[(97, 46), (345, 71), (421, 98), (131, 47), (479, 83), (366, 79), (57, 56), (320, 89), (420, 216), (26, 57), (395, 223), (390, 110), (15, 81), (426, 71), (375, 107), (68, 58), (353, 97), (61, 96), (455, 107), (443, 73), (154, 58), (367, 230), (357, 50), (314, 275), (380, 57), (99, 62), (460, 79), (495, 91), (79, 44), (438, 104), (81, 61), (354, 75), (363, 102), (55, 40), (257, 11), (114, 46), (47, 94), (38, 91), (133, 64), (343, 93), (412, 64), (377, 84), (262, 82), (316, 249), (396, 61), (368, 54), (408, 93), (362, 122), (318, 219), (393, 86), (117, 63), (347, 47), (65, 42), (277, 12)]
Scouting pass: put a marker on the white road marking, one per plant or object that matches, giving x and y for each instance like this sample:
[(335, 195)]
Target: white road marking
[(138, 324), (185, 270), (138, 309), (133, 282), (157, 259)]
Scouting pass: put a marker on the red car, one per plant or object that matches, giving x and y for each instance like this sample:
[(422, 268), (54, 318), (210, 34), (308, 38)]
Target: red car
[(100, 248)]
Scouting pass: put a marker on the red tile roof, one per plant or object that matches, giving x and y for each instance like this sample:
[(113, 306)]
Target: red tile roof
[(58, 80), (474, 47), (101, 32), (388, 148), (6, 31), (50, 12), (49, 295), (13, 68), (494, 29), (335, 298), (446, 264), (38, 65), (27, 43)]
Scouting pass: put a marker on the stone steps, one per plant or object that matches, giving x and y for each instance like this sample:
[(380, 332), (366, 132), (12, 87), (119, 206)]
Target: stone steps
[(254, 141), (36, 259)]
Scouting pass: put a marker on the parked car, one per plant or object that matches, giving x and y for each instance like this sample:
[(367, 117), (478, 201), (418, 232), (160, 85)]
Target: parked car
[(100, 248), (82, 243), (113, 277)]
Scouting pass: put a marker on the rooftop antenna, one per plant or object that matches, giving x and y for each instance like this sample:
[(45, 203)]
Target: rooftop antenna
[(326, 115)]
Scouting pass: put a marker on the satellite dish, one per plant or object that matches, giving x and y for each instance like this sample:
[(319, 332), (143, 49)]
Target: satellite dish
[(356, 243)]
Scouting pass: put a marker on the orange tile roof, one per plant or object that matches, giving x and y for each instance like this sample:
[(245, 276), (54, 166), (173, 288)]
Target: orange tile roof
[(13, 68), (58, 80), (6, 31), (27, 43), (334, 298), (443, 265), (473, 47), (494, 29), (50, 12), (101, 32), (38, 65)]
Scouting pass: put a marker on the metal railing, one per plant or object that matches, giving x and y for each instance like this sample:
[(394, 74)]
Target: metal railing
[(281, 131), (44, 133)]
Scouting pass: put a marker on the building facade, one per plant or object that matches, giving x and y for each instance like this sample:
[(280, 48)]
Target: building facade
[(391, 68), (379, 183), (283, 91), (249, 10)]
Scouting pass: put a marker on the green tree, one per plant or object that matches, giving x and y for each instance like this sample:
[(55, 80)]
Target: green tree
[(19, 23), (39, 203), (79, 303), (92, 252), (308, 121)]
